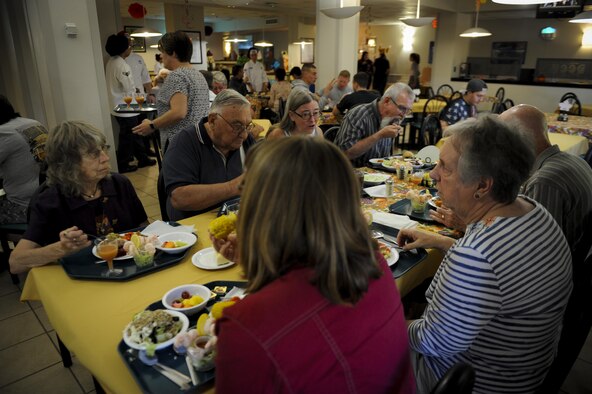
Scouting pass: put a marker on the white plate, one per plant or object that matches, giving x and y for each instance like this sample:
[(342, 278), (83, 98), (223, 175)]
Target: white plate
[(375, 179), (94, 251), (432, 202), (377, 161), (386, 165), (394, 255), (206, 259), (161, 345), (429, 154)]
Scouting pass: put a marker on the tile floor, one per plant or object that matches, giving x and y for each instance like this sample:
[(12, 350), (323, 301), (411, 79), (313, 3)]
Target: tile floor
[(29, 356)]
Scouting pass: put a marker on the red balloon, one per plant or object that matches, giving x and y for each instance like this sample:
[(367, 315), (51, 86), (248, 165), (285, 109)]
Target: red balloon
[(137, 10)]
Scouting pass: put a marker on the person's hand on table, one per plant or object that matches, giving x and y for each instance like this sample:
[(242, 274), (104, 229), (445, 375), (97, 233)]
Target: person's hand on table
[(144, 128), (73, 239), (227, 247), (448, 218), (412, 239)]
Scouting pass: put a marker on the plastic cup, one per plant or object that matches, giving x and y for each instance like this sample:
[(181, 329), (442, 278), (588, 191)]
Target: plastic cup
[(418, 205), (143, 258)]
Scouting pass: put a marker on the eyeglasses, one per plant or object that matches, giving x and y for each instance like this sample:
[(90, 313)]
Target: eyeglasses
[(238, 127), (307, 114), (96, 153), (404, 110)]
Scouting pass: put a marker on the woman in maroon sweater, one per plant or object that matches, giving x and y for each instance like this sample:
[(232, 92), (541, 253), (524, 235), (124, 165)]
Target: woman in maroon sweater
[(323, 313)]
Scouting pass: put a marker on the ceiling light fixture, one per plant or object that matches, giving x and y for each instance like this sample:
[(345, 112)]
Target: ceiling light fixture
[(342, 12), (520, 2), (235, 39), (476, 31), (417, 21), (585, 16), (262, 43), (146, 32)]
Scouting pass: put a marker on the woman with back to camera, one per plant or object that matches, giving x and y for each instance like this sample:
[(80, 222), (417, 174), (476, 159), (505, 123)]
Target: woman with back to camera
[(323, 312), (498, 298), (414, 72), (82, 197), (183, 97), (279, 90), (301, 116)]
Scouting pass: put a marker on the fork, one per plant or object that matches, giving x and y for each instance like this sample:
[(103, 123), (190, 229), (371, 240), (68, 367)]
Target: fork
[(376, 234), (180, 379)]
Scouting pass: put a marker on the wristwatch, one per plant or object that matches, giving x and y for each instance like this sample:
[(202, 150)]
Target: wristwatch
[(152, 126)]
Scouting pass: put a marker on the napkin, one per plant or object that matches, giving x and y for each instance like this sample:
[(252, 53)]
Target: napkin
[(376, 191), (392, 220), (566, 105), (160, 228)]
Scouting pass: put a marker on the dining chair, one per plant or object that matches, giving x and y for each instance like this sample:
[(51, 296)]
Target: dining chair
[(576, 106), (162, 197), (282, 108), (431, 131), (455, 95), (496, 108), (432, 106), (566, 96), (459, 379), (331, 133), (444, 90), (507, 104)]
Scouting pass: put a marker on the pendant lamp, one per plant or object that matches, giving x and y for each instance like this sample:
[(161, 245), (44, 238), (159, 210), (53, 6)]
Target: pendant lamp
[(342, 12), (476, 31), (520, 2), (585, 16), (417, 21)]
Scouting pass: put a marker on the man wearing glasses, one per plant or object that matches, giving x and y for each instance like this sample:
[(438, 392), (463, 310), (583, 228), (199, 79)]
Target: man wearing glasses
[(203, 165), (368, 130)]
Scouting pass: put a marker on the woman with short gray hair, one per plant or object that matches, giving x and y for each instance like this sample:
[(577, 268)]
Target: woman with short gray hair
[(81, 197), (498, 298), (301, 116)]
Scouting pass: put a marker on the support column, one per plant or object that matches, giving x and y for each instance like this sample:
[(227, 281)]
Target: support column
[(336, 42)]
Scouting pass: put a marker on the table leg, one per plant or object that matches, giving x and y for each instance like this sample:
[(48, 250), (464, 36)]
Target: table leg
[(65, 353)]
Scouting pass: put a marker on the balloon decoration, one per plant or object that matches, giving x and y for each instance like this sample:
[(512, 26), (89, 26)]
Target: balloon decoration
[(137, 10)]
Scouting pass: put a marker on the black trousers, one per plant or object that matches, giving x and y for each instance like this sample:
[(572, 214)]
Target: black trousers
[(130, 145)]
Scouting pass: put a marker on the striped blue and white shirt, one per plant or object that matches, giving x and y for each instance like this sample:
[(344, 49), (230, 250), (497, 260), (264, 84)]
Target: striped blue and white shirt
[(497, 302)]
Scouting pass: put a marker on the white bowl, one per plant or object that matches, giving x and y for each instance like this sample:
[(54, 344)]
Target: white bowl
[(174, 294), (188, 238), (161, 345)]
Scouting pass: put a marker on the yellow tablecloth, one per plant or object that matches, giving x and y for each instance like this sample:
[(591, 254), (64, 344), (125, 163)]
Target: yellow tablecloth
[(587, 110), (89, 316), (574, 144), (575, 125)]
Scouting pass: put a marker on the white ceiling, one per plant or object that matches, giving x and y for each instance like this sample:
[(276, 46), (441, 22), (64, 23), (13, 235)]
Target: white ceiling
[(376, 11)]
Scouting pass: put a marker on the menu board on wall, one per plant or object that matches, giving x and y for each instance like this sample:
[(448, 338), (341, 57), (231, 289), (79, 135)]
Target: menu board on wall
[(564, 70)]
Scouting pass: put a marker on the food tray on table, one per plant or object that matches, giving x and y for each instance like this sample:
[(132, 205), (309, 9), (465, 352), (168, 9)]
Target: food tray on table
[(403, 207), (407, 260), (134, 108), (149, 379), (83, 264)]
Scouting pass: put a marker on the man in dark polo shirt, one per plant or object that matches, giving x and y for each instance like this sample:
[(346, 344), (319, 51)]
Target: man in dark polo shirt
[(203, 165), (361, 95)]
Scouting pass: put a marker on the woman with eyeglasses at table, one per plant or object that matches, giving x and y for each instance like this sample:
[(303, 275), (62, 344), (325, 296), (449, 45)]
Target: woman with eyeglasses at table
[(80, 200), (323, 313), (301, 116)]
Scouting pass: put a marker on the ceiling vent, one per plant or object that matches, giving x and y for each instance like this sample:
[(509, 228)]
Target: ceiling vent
[(272, 21)]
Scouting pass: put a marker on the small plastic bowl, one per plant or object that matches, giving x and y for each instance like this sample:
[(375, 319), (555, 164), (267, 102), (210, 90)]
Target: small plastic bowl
[(188, 238), (175, 294)]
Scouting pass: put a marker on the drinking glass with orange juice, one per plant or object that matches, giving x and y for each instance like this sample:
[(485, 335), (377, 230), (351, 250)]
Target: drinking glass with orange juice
[(107, 250), (416, 177), (140, 98), (127, 98)]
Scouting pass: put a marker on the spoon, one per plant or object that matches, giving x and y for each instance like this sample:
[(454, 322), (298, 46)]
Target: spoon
[(379, 234), (172, 374)]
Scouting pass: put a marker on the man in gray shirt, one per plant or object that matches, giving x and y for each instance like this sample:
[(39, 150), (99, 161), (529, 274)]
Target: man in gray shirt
[(22, 144)]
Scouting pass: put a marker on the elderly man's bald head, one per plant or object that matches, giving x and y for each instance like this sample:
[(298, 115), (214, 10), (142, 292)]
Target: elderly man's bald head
[(530, 121)]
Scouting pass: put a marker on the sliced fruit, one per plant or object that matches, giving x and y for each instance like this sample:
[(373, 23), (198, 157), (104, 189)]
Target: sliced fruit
[(219, 307), (135, 240), (201, 322)]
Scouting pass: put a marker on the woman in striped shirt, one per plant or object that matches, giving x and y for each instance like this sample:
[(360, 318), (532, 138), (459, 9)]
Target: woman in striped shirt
[(498, 298)]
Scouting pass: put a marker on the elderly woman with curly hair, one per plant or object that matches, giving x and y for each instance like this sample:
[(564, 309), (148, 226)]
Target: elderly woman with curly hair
[(499, 295), (301, 117), (80, 197)]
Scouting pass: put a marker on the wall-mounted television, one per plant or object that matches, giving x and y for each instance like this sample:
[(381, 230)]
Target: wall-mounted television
[(559, 9)]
